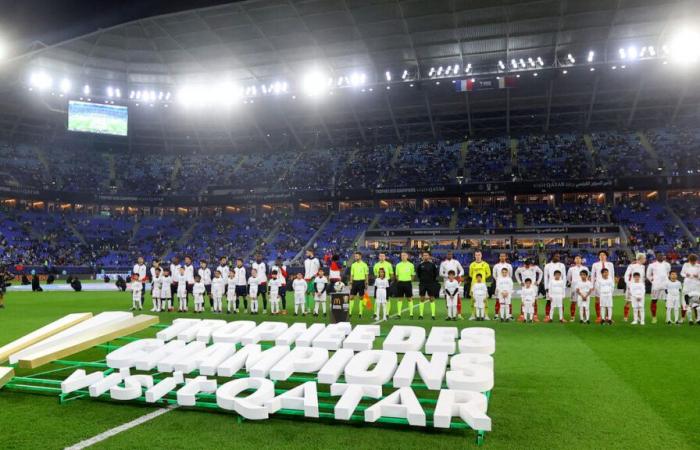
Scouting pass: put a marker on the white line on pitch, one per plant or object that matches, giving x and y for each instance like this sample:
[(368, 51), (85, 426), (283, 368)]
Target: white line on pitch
[(120, 429)]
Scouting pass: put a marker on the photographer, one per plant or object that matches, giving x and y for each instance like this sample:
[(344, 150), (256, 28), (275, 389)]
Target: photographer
[(5, 277)]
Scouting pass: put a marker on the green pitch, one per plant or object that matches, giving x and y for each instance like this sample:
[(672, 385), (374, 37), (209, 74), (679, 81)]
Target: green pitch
[(557, 386)]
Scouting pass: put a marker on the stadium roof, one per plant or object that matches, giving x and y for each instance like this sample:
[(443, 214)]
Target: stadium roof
[(262, 41)]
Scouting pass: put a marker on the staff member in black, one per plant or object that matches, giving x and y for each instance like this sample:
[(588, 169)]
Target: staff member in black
[(428, 284), (5, 277)]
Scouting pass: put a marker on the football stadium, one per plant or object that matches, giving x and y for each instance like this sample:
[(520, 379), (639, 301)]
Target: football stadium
[(366, 224)]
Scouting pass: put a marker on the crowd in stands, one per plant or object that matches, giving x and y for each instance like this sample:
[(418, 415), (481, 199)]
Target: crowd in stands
[(58, 238), (667, 151)]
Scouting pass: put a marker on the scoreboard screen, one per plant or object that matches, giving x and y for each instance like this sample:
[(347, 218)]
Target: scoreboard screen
[(95, 118)]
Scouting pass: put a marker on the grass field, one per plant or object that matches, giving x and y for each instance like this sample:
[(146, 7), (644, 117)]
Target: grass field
[(557, 386)]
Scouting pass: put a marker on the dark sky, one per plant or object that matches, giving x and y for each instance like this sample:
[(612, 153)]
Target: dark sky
[(52, 21)]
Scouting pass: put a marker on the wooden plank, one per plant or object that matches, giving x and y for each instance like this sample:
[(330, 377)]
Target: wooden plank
[(86, 340), (6, 374), (42, 333)]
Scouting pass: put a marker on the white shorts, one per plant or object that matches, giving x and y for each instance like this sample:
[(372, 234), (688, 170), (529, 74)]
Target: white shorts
[(673, 302), (299, 298), (584, 304), (606, 302), (557, 302), (504, 301), (636, 304), (320, 297), (380, 296), (658, 292), (480, 302), (574, 295)]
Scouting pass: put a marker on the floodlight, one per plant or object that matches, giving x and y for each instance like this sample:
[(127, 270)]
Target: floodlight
[(404, 74), (514, 63), (571, 59), (632, 52), (86, 89), (65, 85), (388, 75), (110, 91), (591, 55), (455, 68), (41, 80), (314, 83), (501, 65), (132, 94), (439, 71), (118, 93), (358, 78), (431, 72), (685, 47), (623, 53), (539, 61)]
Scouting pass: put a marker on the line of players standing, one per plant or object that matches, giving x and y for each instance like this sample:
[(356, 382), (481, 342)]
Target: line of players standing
[(599, 282)]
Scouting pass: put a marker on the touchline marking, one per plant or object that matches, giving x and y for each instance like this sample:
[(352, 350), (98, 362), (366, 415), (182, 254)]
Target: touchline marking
[(120, 429)]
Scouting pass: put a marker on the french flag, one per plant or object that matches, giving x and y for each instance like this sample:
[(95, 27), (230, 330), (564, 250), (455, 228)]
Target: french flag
[(464, 85)]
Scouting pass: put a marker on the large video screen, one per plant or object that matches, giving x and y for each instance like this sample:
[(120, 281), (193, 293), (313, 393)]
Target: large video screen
[(96, 118)]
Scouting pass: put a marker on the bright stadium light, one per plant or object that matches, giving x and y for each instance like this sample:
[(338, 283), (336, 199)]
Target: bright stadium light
[(591, 55), (118, 93), (358, 79), (314, 83), (514, 63), (531, 62), (440, 70), (41, 80), (468, 68), (431, 72), (110, 91), (132, 94), (388, 75), (652, 51), (685, 47), (539, 61), (571, 59), (622, 53), (448, 70), (455, 68), (65, 85), (501, 65), (86, 89), (632, 52), (522, 63), (404, 75)]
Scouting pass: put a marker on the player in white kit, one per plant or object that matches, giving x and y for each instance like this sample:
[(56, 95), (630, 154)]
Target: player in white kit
[(604, 288), (573, 277), (480, 293), (299, 287), (555, 265), (136, 290), (198, 291), (596, 270), (275, 283), (638, 266), (451, 288), (658, 273), (320, 289), (637, 291), (528, 295), (217, 291), (556, 293), (381, 284), (504, 293), (673, 294), (498, 270), (691, 288), (583, 291)]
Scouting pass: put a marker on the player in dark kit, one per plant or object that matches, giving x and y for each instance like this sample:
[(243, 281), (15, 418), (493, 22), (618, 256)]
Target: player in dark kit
[(428, 284)]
